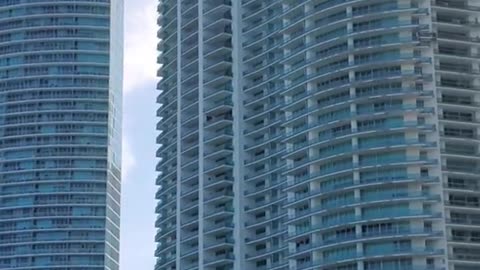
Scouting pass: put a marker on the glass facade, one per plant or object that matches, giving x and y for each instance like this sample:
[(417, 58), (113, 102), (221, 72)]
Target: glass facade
[(60, 150), (322, 134)]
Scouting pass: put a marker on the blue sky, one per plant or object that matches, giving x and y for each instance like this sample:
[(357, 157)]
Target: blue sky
[(138, 191)]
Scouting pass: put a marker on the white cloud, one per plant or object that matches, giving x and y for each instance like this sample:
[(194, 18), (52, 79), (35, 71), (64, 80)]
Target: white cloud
[(140, 44), (138, 146), (128, 159)]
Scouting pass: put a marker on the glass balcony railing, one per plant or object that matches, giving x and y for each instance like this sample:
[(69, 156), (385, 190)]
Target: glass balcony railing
[(326, 189), (356, 256), (219, 258), (345, 117), (367, 199), (344, 34), (380, 214), (455, 4), (217, 226), (462, 203), (464, 220), (406, 232), (264, 235), (458, 37), (462, 169)]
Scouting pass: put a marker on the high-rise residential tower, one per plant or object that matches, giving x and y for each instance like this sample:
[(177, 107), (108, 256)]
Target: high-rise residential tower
[(319, 134), (60, 125)]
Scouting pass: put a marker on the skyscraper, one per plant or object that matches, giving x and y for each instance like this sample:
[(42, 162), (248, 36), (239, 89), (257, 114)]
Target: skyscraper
[(60, 145), (319, 134)]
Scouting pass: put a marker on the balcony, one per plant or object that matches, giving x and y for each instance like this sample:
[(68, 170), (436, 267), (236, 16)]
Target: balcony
[(188, 251), (264, 253), (379, 180), (218, 211), (467, 255), (388, 234), (457, 68), (264, 203), (460, 135), (457, 21), (465, 239), (211, 261), (164, 260), (220, 151), (462, 169), (218, 197), (461, 151), (218, 182), (458, 37), (455, 4), (468, 187), (459, 102), (224, 104), (163, 247), (456, 52), (220, 135), (473, 221), (219, 227), (353, 202), (466, 203), (372, 216), (468, 118), (222, 243), (220, 120), (386, 252)]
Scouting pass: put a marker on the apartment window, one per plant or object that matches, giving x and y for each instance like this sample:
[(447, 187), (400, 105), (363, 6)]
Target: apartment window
[(459, 132), (392, 264), (460, 116)]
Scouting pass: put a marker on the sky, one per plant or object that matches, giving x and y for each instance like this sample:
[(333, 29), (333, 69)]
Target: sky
[(139, 120)]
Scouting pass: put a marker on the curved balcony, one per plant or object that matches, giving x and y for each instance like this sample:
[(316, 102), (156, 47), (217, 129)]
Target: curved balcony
[(162, 234), (331, 138), (222, 243), (264, 221), (344, 35), (264, 236), (251, 207), (383, 199), (260, 15), (341, 85), (219, 227), (454, 6), (259, 254), (164, 261), (406, 214), (220, 260), (363, 183), (463, 221), (366, 237), (329, 22), (385, 253)]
